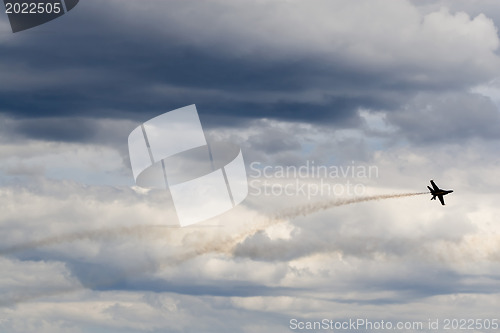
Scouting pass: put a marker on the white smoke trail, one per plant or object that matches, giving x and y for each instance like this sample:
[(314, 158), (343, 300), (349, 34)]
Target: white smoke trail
[(142, 231), (316, 207), (220, 244), (227, 244)]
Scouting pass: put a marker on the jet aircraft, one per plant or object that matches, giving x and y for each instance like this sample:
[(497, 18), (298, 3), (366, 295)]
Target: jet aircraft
[(437, 192)]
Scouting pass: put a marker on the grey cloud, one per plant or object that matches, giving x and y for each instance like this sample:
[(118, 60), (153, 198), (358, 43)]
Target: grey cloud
[(57, 129), (360, 236), (74, 129), (452, 117)]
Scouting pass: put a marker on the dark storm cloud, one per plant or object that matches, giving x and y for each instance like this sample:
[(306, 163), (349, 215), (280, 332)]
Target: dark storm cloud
[(142, 85), (108, 73), (136, 63), (113, 132), (72, 130)]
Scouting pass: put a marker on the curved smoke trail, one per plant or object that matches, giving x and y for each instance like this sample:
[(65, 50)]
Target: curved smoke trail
[(152, 230), (316, 207), (223, 245)]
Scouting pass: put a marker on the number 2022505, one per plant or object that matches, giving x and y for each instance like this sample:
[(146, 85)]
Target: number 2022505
[(33, 8)]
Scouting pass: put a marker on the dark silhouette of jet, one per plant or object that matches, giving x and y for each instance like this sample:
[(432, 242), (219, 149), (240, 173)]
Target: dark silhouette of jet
[(437, 192)]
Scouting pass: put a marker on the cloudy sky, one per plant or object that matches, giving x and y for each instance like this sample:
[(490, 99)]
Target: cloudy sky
[(408, 88)]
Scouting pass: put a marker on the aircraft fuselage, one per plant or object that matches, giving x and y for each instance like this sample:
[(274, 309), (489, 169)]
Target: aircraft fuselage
[(435, 191)]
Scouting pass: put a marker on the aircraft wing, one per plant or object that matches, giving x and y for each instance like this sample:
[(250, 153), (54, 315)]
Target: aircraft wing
[(441, 199), (435, 186)]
